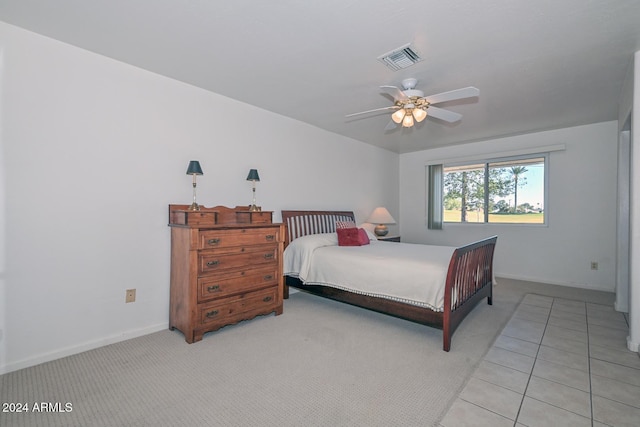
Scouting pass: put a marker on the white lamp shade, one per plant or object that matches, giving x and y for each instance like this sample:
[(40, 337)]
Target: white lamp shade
[(381, 215)]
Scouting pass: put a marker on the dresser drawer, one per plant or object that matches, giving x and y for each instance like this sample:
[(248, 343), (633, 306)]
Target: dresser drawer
[(223, 285), (247, 236), (241, 257), (234, 307)]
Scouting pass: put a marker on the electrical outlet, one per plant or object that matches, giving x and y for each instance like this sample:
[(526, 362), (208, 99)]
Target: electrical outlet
[(131, 295), (594, 265)]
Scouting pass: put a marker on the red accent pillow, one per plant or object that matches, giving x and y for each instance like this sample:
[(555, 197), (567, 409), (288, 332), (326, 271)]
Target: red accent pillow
[(348, 237), (363, 237)]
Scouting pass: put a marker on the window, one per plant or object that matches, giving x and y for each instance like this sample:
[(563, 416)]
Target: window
[(506, 190)]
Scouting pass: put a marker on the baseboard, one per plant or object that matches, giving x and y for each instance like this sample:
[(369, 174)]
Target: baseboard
[(553, 282), (624, 308), (633, 346), (90, 345)]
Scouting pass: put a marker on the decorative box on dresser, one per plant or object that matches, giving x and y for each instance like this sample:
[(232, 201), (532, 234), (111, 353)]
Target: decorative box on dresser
[(226, 266)]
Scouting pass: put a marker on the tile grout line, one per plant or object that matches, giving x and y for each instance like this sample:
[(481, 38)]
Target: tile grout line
[(586, 318), (524, 392), (485, 409), (588, 360)]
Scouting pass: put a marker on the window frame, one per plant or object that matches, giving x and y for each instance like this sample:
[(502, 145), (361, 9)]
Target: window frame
[(485, 162)]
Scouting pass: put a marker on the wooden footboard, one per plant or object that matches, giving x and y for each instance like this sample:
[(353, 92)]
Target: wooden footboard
[(469, 277)]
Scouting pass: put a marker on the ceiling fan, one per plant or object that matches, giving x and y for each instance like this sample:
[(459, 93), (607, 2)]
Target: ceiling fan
[(412, 106)]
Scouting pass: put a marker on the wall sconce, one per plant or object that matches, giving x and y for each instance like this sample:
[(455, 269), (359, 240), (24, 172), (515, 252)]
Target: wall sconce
[(194, 169), (381, 216), (253, 176)]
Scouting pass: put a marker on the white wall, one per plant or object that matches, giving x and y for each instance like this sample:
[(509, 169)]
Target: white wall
[(623, 244), (633, 340), (581, 208), (92, 152)]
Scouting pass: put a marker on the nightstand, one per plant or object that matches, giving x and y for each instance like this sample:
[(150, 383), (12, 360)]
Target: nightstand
[(389, 238)]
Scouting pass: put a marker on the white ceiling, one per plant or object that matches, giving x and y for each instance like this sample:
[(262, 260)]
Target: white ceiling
[(539, 65)]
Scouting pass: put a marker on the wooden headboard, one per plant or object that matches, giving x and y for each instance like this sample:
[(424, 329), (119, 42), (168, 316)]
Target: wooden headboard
[(302, 223)]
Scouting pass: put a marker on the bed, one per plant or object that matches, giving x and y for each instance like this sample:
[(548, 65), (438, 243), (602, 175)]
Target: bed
[(463, 276)]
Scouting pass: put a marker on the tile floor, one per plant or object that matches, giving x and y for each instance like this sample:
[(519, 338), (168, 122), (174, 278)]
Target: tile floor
[(558, 362)]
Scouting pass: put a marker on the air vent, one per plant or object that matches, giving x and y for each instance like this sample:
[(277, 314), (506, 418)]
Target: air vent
[(400, 58)]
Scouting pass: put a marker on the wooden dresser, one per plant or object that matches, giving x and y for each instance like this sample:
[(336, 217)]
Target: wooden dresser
[(226, 266)]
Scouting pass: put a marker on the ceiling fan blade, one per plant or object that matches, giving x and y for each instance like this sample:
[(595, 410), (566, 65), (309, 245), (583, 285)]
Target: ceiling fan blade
[(390, 126), (467, 92), (372, 111), (397, 94), (442, 114)]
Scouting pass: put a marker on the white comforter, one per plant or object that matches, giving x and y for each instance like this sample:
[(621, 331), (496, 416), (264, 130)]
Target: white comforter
[(411, 273)]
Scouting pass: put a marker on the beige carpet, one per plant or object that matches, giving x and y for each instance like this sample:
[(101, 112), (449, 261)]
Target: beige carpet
[(320, 363)]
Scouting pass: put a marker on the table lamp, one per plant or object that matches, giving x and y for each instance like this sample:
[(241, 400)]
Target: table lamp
[(253, 177), (194, 169), (381, 217)]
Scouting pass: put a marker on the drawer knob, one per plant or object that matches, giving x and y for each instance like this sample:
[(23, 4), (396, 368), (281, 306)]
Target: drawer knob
[(213, 288), (212, 263), (268, 277), (268, 256), (267, 299), (213, 241), (212, 313), (270, 237)]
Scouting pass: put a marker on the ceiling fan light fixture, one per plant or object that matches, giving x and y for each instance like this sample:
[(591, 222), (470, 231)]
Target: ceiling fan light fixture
[(410, 105), (419, 114), (398, 116)]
